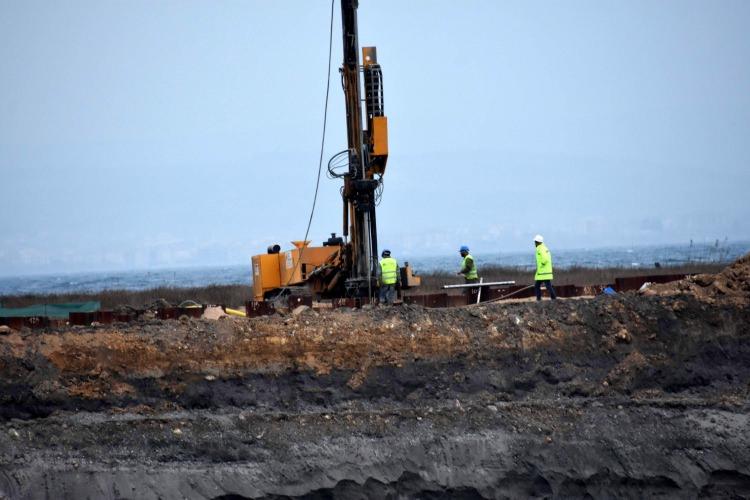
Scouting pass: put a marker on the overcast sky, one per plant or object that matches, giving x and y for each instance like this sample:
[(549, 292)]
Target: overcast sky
[(145, 134)]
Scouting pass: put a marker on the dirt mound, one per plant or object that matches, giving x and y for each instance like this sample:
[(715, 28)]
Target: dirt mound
[(624, 395), (732, 281), (731, 284)]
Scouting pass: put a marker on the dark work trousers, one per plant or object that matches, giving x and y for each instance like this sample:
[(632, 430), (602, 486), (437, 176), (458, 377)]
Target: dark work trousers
[(387, 294), (538, 289)]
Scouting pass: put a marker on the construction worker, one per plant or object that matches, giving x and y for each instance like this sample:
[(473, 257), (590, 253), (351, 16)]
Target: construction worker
[(468, 266), (389, 277), (543, 268)]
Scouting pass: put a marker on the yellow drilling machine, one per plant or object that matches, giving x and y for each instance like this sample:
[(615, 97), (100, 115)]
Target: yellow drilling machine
[(344, 267)]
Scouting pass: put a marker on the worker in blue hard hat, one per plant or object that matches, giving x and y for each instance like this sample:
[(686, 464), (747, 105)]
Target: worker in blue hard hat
[(388, 278), (543, 269), (468, 266)]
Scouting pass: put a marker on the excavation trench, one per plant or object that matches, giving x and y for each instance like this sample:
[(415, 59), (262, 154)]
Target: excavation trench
[(629, 395)]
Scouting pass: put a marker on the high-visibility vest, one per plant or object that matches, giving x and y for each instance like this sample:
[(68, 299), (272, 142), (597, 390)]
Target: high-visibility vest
[(543, 263), (388, 271), (470, 268)]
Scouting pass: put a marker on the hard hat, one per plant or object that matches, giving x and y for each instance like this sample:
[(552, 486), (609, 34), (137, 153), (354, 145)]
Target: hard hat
[(386, 253), (538, 238), (464, 248)]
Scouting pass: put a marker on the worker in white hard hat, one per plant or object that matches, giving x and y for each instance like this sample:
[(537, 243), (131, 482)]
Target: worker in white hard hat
[(543, 268), (389, 276)]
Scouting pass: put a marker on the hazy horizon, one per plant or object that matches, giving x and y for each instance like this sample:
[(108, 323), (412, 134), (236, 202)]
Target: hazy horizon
[(479, 254), (141, 135)]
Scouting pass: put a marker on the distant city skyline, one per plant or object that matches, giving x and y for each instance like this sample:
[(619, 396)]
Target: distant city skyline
[(142, 135)]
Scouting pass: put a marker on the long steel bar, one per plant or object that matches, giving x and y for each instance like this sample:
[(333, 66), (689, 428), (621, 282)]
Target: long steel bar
[(475, 285)]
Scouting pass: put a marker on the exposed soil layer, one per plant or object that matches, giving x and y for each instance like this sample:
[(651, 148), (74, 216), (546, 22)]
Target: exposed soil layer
[(627, 395)]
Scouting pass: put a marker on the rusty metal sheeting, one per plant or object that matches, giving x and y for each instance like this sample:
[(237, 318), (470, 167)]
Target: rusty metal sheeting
[(168, 313), (82, 318), (515, 292), (430, 300), (75, 318), (524, 292), (591, 289), (87, 318), (566, 291), (126, 317), (177, 312), (25, 321), (299, 300), (256, 308), (458, 300), (105, 317), (635, 282), (350, 302)]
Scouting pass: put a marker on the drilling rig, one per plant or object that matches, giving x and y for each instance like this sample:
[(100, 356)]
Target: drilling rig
[(344, 266)]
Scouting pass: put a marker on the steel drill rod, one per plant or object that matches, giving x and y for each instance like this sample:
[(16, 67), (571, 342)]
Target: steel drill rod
[(475, 285)]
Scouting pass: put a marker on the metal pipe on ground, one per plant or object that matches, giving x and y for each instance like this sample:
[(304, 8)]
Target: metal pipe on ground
[(475, 285)]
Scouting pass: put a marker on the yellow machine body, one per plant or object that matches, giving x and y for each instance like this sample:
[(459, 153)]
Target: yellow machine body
[(380, 136), (289, 268), (295, 271), (369, 56), (266, 273), (376, 121), (408, 278)]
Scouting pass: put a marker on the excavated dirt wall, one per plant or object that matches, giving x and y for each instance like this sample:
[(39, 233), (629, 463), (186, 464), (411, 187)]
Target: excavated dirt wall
[(627, 395)]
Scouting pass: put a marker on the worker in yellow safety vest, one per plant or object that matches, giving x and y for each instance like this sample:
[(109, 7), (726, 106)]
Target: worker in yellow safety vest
[(543, 268), (468, 266), (389, 277)]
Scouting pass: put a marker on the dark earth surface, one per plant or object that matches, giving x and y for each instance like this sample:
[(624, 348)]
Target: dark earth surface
[(634, 395)]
